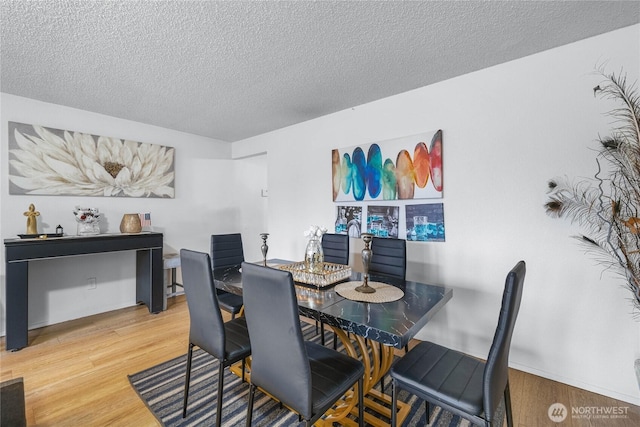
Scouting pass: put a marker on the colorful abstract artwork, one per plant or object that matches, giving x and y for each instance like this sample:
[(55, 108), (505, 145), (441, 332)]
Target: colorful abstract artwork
[(425, 223), (349, 221), (46, 161), (398, 169)]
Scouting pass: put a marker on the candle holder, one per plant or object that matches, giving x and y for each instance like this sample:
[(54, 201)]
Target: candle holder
[(366, 260), (264, 248)]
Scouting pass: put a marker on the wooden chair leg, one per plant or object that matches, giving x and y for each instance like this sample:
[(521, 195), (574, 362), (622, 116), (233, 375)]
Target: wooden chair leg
[(186, 381)]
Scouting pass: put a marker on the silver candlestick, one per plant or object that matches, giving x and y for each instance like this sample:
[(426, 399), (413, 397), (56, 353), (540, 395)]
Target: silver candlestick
[(264, 248), (366, 260)]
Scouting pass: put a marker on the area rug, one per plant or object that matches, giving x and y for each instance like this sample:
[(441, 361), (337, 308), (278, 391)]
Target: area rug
[(162, 389)]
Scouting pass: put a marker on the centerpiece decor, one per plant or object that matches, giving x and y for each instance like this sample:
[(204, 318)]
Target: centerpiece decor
[(607, 206), (367, 253), (330, 275), (264, 248), (88, 220), (313, 254)]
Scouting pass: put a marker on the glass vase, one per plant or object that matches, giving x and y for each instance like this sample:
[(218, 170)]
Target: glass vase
[(314, 256), (88, 228)]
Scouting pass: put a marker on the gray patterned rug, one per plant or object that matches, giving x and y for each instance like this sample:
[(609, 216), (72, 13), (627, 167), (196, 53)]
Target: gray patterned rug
[(161, 388)]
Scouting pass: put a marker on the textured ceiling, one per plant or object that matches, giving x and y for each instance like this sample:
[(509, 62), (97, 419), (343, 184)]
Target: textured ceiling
[(230, 70)]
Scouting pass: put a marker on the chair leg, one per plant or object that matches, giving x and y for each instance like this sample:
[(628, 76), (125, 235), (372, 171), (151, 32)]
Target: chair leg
[(427, 410), (335, 341), (220, 388), (507, 405), (186, 381), (394, 404), (244, 366), (322, 333), (361, 402), (252, 391), (173, 280)]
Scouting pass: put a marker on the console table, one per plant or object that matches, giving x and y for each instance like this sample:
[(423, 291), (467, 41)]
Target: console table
[(18, 253)]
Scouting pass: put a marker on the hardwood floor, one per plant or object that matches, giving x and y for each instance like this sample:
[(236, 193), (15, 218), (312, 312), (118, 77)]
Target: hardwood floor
[(75, 373)]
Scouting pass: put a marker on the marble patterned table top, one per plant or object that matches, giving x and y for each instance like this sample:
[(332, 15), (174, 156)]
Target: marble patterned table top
[(391, 323)]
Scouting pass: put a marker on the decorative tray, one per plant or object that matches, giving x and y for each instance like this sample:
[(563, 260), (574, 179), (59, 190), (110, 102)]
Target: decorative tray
[(331, 274), (39, 236)]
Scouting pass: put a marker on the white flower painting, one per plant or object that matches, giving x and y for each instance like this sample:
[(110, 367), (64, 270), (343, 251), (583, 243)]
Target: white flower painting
[(46, 161)]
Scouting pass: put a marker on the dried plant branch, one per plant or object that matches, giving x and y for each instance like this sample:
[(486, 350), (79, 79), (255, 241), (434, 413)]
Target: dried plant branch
[(608, 206)]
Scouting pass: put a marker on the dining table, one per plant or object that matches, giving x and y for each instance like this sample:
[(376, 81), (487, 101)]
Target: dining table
[(369, 331)]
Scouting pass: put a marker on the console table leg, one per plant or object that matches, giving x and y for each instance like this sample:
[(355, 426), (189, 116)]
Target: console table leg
[(17, 290), (150, 279)]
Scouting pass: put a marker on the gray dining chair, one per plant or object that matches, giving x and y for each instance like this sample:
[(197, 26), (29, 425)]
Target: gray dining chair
[(335, 248), (227, 251), (226, 341), (460, 383), (389, 257), (306, 377)]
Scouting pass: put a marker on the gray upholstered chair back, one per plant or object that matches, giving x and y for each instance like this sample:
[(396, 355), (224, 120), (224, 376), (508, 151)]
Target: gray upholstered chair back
[(336, 248), (226, 250), (207, 327), (279, 362), (389, 257), (496, 371)]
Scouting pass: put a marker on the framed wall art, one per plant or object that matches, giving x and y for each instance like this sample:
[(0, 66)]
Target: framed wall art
[(349, 221), (47, 161), (425, 223), (404, 168)]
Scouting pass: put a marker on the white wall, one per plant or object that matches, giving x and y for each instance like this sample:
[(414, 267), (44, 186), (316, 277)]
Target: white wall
[(506, 131), (214, 194)]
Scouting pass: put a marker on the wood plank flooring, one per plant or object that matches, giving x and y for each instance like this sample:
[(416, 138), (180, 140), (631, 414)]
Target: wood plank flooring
[(75, 373)]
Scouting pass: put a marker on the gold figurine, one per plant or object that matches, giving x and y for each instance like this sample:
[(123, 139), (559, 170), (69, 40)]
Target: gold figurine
[(32, 222)]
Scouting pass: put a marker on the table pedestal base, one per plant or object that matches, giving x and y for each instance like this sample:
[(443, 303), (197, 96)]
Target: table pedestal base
[(377, 361)]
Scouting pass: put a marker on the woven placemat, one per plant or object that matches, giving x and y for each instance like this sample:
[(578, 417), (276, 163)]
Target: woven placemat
[(383, 293)]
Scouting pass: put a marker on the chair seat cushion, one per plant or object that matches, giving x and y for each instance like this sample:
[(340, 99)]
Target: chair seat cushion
[(237, 344), (439, 374), (332, 374), (229, 302)]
